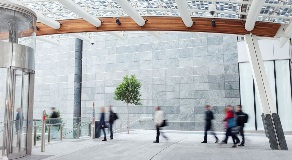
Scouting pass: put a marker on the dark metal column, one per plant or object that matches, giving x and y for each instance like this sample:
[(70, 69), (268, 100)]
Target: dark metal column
[(77, 87)]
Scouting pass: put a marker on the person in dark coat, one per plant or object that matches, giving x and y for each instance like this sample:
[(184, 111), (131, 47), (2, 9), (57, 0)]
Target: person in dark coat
[(112, 118), (54, 115), (102, 123), (208, 123), (241, 119)]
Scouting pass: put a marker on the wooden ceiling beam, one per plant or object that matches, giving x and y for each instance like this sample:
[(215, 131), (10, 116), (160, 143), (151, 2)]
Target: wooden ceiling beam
[(226, 26)]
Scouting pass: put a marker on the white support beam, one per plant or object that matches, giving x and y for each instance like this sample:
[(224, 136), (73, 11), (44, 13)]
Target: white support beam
[(48, 40), (253, 14), (154, 34), (288, 30), (126, 6), (280, 32), (40, 17), (80, 12), (184, 13), (117, 34), (82, 37), (259, 74), (283, 41), (283, 34), (47, 21)]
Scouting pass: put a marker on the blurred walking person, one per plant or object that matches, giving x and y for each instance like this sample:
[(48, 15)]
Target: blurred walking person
[(231, 123), (112, 118), (17, 120), (159, 121), (209, 116), (102, 124), (241, 119), (54, 120)]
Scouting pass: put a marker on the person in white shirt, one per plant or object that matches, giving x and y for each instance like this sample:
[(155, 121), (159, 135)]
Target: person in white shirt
[(159, 120)]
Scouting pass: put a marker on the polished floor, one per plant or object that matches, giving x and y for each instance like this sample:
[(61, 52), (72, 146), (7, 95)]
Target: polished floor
[(181, 146)]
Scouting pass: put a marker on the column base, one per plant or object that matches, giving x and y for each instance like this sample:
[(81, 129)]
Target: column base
[(275, 144), (280, 132)]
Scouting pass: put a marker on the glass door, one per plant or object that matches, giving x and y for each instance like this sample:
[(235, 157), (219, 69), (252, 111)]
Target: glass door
[(3, 78), (16, 114), (24, 111), (17, 111)]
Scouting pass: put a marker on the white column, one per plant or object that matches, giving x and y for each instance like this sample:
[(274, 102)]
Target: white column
[(272, 122), (259, 74)]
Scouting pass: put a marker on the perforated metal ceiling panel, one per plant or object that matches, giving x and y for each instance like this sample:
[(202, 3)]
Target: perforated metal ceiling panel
[(277, 11)]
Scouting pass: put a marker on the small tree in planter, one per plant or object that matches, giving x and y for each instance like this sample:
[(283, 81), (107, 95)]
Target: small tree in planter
[(129, 92)]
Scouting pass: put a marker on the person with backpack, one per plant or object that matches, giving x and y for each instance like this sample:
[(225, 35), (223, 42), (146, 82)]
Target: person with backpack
[(241, 119), (208, 125), (112, 118), (231, 124)]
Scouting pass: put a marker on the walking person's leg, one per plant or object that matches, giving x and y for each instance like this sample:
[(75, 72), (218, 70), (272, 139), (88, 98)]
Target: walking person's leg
[(157, 135), (227, 134), (162, 133), (213, 132), (205, 133), (111, 130), (104, 134), (235, 139), (241, 132)]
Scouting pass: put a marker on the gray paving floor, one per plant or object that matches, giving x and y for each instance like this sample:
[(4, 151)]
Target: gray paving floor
[(182, 146)]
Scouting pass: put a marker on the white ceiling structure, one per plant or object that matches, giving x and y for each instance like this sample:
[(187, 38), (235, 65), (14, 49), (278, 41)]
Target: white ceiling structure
[(279, 11), (275, 11)]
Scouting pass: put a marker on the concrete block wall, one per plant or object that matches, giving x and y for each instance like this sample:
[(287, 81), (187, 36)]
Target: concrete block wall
[(179, 72), (54, 82)]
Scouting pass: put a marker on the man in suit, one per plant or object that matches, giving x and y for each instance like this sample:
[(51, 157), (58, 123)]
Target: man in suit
[(208, 123)]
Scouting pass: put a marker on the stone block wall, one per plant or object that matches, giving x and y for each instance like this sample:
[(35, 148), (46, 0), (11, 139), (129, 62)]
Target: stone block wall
[(54, 82), (181, 72)]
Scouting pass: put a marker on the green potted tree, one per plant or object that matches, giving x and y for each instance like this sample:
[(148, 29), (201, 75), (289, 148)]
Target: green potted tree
[(129, 92)]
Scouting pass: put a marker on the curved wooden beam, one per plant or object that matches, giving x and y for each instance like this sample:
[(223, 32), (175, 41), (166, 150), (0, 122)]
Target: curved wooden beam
[(226, 26)]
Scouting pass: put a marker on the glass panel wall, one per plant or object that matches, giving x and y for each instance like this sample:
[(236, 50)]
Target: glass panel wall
[(279, 77), (284, 93), (247, 99)]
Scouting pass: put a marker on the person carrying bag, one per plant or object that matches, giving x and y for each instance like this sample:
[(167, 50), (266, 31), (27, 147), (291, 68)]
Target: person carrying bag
[(159, 121), (112, 118)]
